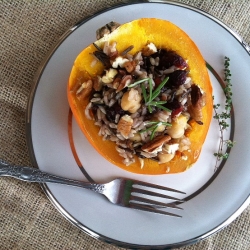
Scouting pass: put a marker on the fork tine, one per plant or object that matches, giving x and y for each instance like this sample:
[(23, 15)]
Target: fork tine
[(145, 184), (143, 191), (158, 204), (153, 210)]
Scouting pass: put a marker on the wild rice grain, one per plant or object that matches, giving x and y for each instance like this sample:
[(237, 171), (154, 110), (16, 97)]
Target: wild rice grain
[(89, 106), (117, 117), (105, 99), (152, 60), (120, 150), (98, 123), (157, 60), (99, 115), (119, 136), (112, 125), (119, 95), (136, 114), (169, 70), (112, 102), (96, 99), (102, 109), (113, 138)]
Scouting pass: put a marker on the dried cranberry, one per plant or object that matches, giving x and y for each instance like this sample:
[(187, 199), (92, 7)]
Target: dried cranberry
[(175, 106), (177, 78), (157, 81), (170, 58), (176, 112), (111, 112)]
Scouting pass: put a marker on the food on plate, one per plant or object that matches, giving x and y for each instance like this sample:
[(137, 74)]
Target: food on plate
[(142, 96)]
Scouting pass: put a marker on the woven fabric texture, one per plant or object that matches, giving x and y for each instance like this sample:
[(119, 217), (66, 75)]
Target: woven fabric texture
[(29, 29)]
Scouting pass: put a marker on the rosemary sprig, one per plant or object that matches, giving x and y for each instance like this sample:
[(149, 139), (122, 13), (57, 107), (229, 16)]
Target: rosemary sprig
[(137, 82), (150, 97), (225, 115), (149, 100), (153, 128)]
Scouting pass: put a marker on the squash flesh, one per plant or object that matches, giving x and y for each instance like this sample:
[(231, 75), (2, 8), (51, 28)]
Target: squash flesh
[(138, 33)]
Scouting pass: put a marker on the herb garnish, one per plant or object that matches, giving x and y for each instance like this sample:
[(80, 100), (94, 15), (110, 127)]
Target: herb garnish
[(150, 97), (224, 116), (153, 128)]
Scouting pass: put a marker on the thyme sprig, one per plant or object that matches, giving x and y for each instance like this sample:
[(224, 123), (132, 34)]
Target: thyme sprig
[(149, 98), (153, 128), (225, 115)]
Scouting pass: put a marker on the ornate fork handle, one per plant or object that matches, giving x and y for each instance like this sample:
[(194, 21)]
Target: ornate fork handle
[(35, 175)]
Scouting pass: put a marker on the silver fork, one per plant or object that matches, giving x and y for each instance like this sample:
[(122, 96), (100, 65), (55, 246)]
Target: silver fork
[(123, 192)]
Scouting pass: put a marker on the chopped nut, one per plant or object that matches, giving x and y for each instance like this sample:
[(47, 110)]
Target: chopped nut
[(125, 81), (196, 104), (131, 101), (160, 128), (124, 125), (149, 49), (171, 148), (116, 82), (130, 66), (136, 137), (177, 129), (109, 77), (85, 89), (110, 49), (97, 83), (157, 142)]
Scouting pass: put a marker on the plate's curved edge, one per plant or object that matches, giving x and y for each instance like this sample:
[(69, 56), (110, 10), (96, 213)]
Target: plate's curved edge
[(45, 188), (210, 16)]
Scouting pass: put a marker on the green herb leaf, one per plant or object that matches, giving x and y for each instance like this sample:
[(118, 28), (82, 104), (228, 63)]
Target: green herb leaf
[(153, 133), (222, 117), (161, 84), (137, 82), (144, 93), (164, 108), (155, 94), (150, 89), (156, 103), (155, 124), (148, 99)]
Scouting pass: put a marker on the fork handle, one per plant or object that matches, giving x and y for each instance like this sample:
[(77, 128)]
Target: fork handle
[(35, 175)]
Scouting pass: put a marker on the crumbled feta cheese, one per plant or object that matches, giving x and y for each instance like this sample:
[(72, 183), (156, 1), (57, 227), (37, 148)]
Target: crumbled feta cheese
[(188, 80), (184, 157), (171, 148), (152, 47), (119, 61)]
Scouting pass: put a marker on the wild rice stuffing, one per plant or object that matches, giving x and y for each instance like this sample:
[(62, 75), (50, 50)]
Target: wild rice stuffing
[(143, 102)]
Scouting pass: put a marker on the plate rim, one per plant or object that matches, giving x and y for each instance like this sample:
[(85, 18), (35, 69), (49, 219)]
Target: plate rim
[(29, 107)]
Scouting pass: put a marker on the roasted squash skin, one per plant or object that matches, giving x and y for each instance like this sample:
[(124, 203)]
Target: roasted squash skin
[(138, 33)]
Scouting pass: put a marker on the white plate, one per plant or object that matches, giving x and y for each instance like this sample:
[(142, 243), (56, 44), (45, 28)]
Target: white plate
[(213, 199)]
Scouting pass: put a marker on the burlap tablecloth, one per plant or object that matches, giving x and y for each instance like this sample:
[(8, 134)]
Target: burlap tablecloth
[(28, 31)]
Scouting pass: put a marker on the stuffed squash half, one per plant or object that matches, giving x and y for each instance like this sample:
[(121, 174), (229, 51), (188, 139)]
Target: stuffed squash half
[(142, 97)]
